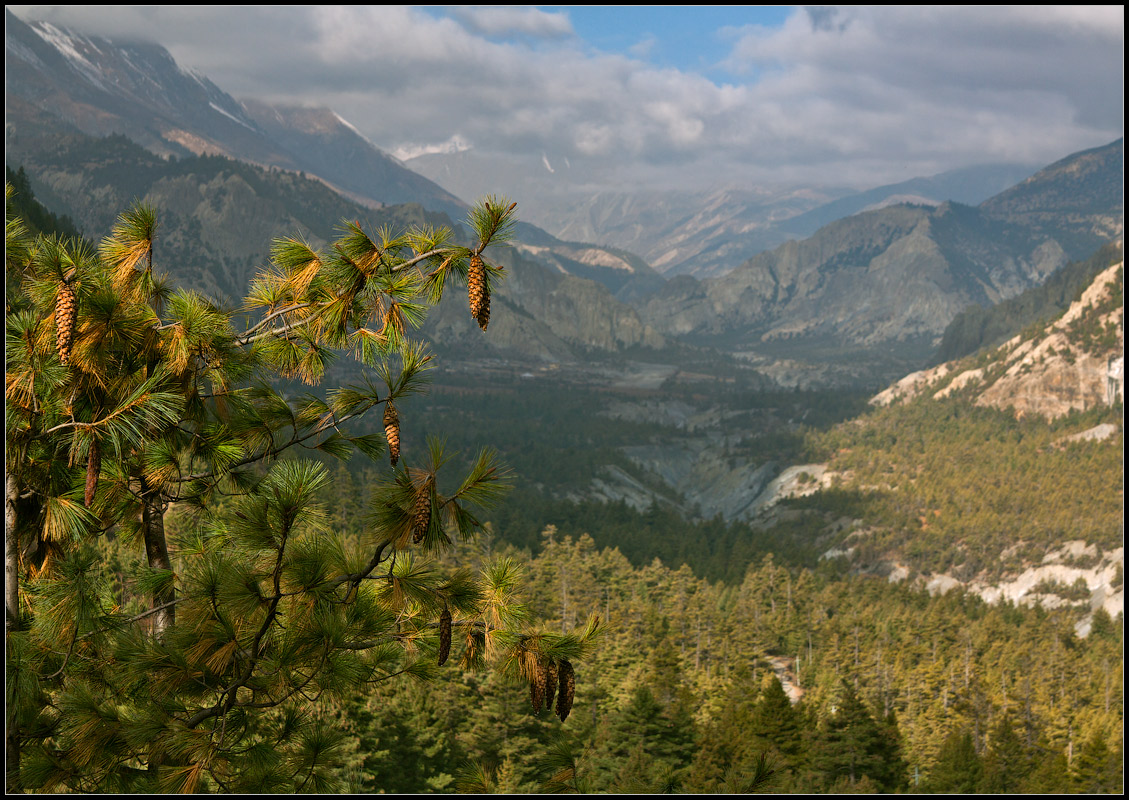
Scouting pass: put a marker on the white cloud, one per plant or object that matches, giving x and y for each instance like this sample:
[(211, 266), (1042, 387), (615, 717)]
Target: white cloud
[(455, 144), (506, 20), (857, 95)]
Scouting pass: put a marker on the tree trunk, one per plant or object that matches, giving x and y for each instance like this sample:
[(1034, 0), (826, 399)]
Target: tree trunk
[(157, 551), (12, 623), (11, 555)]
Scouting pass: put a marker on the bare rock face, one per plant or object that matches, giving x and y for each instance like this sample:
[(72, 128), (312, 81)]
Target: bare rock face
[(1055, 374), (1075, 364)]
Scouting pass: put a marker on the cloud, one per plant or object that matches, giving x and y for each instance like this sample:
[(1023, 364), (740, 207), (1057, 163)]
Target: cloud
[(845, 95), (498, 21)]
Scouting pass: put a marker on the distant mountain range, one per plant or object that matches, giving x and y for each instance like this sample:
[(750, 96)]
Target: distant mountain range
[(137, 90), (892, 279), (698, 233), (866, 296)]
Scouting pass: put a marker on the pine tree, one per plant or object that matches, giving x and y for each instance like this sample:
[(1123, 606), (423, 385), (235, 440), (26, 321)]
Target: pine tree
[(958, 768), (1007, 761), (126, 398), (851, 745)]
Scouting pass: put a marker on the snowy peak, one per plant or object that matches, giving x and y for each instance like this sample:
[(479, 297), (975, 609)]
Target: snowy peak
[(137, 89)]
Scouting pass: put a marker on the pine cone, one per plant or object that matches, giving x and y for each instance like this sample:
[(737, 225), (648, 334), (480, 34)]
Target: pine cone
[(537, 688), (567, 689), (421, 513), (66, 312), (550, 684), (93, 466), (392, 431), (444, 635), (477, 292)]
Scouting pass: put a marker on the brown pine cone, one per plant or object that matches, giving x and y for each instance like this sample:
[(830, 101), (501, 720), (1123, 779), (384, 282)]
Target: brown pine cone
[(93, 466), (392, 431), (66, 313), (550, 684), (477, 292), (537, 689), (567, 689), (444, 635), (421, 513)]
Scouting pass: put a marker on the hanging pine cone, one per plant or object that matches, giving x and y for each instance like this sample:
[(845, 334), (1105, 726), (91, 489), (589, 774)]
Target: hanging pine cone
[(537, 688), (392, 431), (421, 513), (93, 466), (550, 684), (477, 292), (66, 312), (567, 689), (444, 635)]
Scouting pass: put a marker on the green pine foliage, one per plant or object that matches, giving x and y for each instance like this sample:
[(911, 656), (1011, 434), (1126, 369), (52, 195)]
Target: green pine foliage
[(183, 614)]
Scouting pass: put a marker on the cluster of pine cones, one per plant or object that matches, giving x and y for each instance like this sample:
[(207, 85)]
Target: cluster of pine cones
[(553, 679)]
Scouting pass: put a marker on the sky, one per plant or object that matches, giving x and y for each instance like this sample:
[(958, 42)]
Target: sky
[(671, 96)]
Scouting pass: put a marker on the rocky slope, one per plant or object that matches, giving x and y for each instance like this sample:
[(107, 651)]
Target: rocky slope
[(1074, 364), (136, 89)]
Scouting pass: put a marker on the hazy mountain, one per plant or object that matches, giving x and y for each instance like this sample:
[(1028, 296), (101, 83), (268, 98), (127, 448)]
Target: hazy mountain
[(968, 186), (675, 231), (699, 233), (892, 279)]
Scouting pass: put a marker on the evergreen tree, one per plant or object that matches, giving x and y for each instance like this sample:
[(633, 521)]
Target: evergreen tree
[(1007, 760), (851, 745), (125, 399), (958, 768), (1096, 769)]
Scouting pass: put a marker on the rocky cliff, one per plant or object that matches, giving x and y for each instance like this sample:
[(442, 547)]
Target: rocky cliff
[(1074, 364)]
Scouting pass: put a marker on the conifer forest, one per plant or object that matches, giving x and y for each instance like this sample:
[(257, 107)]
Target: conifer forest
[(287, 546)]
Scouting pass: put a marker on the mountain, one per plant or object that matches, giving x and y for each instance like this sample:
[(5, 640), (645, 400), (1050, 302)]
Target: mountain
[(1079, 200), (892, 279), (675, 231), (699, 233), (102, 87), (136, 89), (967, 186), (977, 327), (1073, 364)]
